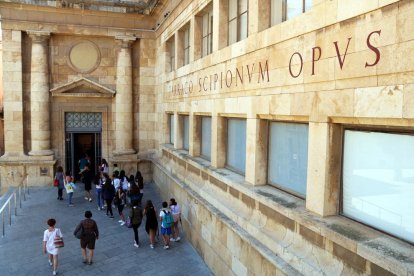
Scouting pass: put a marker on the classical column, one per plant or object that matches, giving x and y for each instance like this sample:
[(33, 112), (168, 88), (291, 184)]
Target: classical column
[(123, 99), (39, 95)]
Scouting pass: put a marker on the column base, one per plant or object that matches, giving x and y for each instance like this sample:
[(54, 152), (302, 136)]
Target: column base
[(124, 152), (41, 152)]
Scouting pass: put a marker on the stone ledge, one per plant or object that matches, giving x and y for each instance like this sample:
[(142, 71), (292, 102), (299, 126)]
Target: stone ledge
[(243, 234), (377, 248)]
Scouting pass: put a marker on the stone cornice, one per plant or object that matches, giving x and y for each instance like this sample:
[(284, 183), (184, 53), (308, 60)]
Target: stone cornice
[(82, 88)]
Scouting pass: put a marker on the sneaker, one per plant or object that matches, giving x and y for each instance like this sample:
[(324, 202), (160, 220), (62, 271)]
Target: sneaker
[(85, 261), (71, 205), (172, 239), (86, 198), (166, 247), (152, 246), (89, 263), (111, 217), (99, 208), (120, 221), (136, 245), (90, 200), (123, 223), (50, 263), (54, 272), (177, 239)]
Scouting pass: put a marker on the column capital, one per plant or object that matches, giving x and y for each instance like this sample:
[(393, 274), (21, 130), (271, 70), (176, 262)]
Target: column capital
[(38, 36), (125, 41)]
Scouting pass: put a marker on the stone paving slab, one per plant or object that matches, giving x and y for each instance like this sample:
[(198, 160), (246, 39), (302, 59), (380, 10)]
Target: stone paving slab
[(21, 248)]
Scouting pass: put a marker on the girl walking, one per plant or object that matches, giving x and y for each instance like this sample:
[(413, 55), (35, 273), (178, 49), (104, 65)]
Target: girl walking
[(151, 223), (49, 243), (108, 193), (136, 219), (120, 195), (61, 179), (69, 186)]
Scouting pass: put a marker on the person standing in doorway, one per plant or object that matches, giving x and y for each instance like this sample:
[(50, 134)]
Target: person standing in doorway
[(90, 235), (87, 181), (49, 243), (60, 177), (83, 162), (104, 167)]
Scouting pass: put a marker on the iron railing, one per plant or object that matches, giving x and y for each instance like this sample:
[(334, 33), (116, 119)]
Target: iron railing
[(16, 197)]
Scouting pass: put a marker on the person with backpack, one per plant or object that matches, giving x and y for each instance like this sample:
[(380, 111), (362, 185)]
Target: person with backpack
[(70, 187), (135, 216), (167, 220)]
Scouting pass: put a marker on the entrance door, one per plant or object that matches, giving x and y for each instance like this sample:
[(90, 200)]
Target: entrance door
[(82, 137)]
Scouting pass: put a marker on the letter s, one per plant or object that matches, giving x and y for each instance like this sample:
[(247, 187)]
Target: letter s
[(374, 49)]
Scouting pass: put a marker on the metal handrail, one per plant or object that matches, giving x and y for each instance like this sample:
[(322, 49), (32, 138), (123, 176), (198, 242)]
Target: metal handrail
[(16, 196)]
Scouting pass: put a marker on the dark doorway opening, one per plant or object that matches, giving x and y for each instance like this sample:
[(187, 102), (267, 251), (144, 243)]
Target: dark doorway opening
[(77, 145)]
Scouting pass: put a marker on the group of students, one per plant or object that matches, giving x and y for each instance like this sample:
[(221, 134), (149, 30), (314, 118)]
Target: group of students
[(120, 191)]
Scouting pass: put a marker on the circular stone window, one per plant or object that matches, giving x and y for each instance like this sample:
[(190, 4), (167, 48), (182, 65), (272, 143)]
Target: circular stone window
[(84, 57)]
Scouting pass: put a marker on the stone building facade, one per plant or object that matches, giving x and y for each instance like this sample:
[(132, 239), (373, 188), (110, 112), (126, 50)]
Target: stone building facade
[(283, 128)]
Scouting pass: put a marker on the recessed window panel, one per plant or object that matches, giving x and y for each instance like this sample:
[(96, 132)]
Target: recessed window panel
[(288, 156), (171, 123), (186, 132), (236, 145), (206, 137), (276, 14), (378, 181)]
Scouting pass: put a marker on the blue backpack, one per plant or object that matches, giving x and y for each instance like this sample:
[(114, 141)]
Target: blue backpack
[(168, 219)]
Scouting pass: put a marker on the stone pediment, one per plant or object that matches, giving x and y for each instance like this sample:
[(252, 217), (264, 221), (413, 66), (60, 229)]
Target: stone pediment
[(82, 88)]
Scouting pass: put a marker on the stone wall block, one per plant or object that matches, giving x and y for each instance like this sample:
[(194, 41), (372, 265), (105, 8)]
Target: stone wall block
[(386, 101)]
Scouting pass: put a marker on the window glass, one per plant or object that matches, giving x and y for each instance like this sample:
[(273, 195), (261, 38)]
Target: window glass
[(288, 156), (233, 31), (171, 122), (236, 145), (243, 26), (378, 181), (207, 27), (294, 8), (276, 12), (206, 137), (308, 5), (232, 9), (205, 24), (242, 6), (186, 131)]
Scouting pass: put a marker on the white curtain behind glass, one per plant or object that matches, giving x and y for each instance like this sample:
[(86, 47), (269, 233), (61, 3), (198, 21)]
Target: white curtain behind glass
[(288, 156), (186, 131), (206, 137), (378, 181), (236, 144)]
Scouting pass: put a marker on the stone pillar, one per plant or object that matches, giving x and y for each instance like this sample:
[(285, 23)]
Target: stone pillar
[(256, 146), (218, 141), (39, 95), (124, 99), (259, 16), (12, 93), (220, 24)]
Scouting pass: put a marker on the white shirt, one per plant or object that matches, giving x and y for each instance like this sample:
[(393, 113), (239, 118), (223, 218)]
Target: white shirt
[(49, 238), (116, 183)]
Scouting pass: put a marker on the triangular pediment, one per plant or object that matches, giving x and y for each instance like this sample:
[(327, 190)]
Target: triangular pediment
[(82, 88)]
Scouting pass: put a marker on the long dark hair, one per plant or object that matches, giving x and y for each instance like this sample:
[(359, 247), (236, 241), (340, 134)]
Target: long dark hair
[(149, 205)]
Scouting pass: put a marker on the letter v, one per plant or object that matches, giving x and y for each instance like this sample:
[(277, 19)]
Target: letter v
[(341, 61)]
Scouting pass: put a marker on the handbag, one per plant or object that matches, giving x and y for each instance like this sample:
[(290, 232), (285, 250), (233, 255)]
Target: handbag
[(58, 242), (128, 222), (79, 233), (55, 182)]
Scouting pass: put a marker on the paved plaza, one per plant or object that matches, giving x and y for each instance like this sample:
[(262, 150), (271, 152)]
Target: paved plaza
[(21, 248)]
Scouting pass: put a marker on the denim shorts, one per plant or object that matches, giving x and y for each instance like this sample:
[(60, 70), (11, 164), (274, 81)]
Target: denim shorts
[(165, 231)]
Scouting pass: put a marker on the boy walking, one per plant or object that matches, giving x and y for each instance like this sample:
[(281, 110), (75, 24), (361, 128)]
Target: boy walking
[(166, 219)]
